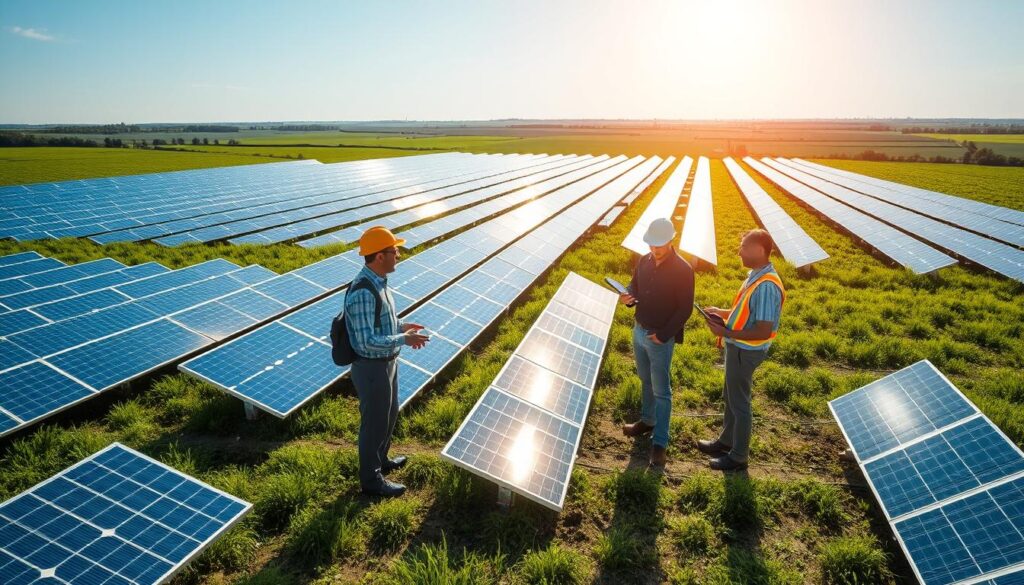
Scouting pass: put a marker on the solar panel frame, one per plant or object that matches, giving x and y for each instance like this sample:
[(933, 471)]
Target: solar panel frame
[(176, 493), (906, 521), (697, 236)]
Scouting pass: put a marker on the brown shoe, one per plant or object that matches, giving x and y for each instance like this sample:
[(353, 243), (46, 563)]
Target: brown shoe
[(658, 456), (637, 429), (713, 448)]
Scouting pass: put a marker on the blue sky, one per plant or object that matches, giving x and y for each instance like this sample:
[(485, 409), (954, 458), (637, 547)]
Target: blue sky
[(173, 61)]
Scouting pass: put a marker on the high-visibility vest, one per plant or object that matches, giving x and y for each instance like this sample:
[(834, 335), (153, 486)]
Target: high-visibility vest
[(741, 311)]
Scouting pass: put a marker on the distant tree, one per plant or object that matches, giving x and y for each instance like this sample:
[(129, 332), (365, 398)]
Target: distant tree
[(195, 141), (206, 141)]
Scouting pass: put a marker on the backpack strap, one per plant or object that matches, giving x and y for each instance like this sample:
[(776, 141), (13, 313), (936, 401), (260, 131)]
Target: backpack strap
[(365, 284)]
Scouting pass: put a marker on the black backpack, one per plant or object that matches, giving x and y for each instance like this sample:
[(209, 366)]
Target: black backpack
[(342, 351)]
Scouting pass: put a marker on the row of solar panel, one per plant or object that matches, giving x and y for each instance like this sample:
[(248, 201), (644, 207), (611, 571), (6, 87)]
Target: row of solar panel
[(889, 241), (949, 481), (127, 204), (117, 518), (974, 206), (324, 185), (635, 193), (290, 207), (996, 256), (284, 364), (424, 205), (909, 198), (697, 236), (793, 242), (524, 431), (130, 208), (296, 212), (575, 167), (662, 206)]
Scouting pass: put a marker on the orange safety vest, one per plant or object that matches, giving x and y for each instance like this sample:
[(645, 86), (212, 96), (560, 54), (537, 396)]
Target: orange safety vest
[(741, 311)]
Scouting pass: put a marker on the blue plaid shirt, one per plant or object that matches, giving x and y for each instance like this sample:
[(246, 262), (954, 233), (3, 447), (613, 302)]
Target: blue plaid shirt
[(360, 305)]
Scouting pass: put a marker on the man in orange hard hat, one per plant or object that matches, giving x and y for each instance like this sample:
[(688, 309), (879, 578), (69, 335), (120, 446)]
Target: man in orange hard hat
[(377, 335)]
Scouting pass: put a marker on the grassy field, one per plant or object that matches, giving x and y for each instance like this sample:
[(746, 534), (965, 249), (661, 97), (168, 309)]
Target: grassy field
[(41, 164), (798, 516), (1006, 144)]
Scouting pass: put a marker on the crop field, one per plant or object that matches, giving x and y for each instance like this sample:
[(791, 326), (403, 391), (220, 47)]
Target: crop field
[(800, 515)]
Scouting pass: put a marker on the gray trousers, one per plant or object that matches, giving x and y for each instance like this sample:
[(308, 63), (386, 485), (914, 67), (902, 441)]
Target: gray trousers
[(376, 384), (739, 422)]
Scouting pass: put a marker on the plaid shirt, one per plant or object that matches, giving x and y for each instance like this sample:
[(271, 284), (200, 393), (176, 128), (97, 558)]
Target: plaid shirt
[(360, 305)]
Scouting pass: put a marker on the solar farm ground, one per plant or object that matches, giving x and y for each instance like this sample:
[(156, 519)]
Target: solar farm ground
[(799, 516)]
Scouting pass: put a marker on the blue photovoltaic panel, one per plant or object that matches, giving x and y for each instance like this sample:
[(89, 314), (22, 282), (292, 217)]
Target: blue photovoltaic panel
[(176, 278), (81, 304), (949, 481), (138, 351), (963, 457), (73, 272), (795, 245), (899, 408), (19, 257), (15, 321), (524, 431), (117, 517), (969, 537), (29, 267), (214, 320), (35, 390), (278, 384), (508, 439), (894, 244), (11, 355)]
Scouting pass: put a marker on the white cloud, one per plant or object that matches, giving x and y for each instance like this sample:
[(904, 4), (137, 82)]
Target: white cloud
[(36, 34)]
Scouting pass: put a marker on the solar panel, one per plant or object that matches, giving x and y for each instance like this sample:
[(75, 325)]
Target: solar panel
[(635, 193), (996, 256), (887, 240), (19, 257), (949, 481), (942, 208), (698, 234), (562, 173), (1005, 214), (610, 217), (29, 267), (524, 430), (793, 242), (114, 517), (663, 205)]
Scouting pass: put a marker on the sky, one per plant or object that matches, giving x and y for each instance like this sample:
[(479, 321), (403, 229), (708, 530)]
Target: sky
[(91, 61)]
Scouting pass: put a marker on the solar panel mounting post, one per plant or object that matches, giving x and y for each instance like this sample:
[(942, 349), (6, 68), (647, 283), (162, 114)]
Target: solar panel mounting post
[(505, 498), (251, 412)]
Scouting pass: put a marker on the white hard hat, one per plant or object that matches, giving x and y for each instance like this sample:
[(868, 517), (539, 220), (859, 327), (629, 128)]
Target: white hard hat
[(660, 232)]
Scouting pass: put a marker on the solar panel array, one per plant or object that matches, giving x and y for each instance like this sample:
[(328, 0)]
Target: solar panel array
[(211, 204), (945, 209), (325, 209), (635, 193), (116, 517), (792, 241), (996, 256), (282, 365), (573, 169), (663, 205), (610, 217), (524, 431), (1005, 214), (698, 233), (887, 240), (949, 481)]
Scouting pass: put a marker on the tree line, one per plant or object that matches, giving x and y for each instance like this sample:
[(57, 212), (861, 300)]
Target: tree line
[(970, 129)]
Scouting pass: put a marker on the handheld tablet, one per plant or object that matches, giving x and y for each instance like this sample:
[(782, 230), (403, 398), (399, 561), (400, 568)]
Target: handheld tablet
[(616, 285)]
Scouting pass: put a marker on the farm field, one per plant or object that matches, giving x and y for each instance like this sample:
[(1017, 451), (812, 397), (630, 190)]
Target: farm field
[(799, 516)]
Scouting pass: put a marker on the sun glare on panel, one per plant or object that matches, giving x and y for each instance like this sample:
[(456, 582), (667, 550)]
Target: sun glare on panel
[(523, 453)]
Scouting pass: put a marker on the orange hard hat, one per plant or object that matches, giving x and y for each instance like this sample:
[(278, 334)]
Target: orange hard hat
[(376, 239)]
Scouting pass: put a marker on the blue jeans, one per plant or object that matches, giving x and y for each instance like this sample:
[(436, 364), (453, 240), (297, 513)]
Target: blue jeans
[(654, 366)]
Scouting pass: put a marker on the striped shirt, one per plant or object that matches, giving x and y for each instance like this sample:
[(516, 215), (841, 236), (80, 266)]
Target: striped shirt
[(765, 302), (368, 341)]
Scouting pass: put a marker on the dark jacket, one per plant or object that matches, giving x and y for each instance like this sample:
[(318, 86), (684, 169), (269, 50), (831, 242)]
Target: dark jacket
[(664, 295)]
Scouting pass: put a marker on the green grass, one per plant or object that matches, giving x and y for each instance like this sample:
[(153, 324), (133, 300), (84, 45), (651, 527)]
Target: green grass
[(794, 519), (44, 164)]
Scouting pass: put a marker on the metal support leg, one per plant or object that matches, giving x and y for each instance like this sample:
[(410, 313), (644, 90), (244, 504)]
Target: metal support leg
[(505, 496), (251, 412)]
